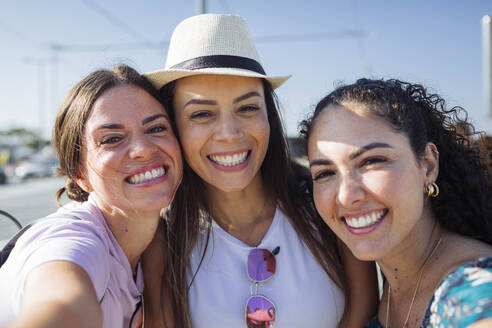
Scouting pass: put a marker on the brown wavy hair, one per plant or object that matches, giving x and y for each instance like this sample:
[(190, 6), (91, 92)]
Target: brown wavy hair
[(73, 114), (189, 213), (464, 204)]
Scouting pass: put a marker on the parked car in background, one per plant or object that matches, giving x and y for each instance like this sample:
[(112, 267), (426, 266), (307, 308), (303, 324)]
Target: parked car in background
[(3, 177), (36, 168)]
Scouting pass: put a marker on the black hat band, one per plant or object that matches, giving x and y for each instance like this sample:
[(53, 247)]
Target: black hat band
[(221, 61)]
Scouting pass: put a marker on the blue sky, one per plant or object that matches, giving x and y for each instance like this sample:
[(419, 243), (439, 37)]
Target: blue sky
[(437, 43)]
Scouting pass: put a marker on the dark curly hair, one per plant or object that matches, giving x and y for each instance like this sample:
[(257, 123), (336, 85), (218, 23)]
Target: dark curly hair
[(464, 204)]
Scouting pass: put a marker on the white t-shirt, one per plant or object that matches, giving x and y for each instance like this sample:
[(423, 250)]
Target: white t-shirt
[(303, 294), (87, 242)]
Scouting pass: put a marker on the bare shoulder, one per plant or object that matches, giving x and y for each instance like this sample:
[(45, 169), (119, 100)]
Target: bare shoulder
[(485, 323), (460, 250)]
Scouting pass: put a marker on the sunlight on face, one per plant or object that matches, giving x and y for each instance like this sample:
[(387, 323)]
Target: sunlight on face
[(130, 157), (223, 127), (368, 186)]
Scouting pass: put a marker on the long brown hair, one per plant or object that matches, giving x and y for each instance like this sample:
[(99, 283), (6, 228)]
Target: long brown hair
[(72, 117), (189, 213)]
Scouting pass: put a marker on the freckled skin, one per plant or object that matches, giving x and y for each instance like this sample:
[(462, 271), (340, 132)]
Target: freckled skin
[(109, 156)]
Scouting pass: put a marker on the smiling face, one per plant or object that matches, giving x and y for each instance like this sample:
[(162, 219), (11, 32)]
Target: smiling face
[(223, 128), (131, 161), (368, 184)]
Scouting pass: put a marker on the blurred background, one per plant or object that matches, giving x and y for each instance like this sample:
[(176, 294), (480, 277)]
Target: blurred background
[(48, 46)]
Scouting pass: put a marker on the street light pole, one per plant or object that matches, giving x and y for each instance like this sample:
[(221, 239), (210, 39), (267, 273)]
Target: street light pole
[(41, 65), (487, 62), (200, 7), (55, 49)]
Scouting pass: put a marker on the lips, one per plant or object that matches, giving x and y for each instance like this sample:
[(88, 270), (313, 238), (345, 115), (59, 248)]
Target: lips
[(365, 220), (147, 175), (230, 159)]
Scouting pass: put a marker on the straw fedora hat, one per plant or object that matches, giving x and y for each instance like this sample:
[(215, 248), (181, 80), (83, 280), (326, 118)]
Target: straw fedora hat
[(211, 44)]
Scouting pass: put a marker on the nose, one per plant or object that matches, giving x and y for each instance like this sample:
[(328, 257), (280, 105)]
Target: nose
[(350, 190), (228, 128), (141, 148)]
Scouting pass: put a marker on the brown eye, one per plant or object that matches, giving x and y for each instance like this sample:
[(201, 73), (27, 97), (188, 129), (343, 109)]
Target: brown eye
[(249, 108), (110, 140), (373, 160), (158, 129), (323, 174), (200, 115)]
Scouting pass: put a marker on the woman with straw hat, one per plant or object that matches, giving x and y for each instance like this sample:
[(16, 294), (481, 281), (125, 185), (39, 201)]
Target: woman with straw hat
[(242, 245)]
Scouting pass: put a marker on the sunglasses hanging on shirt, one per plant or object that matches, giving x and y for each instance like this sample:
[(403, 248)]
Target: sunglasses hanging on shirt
[(261, 266)]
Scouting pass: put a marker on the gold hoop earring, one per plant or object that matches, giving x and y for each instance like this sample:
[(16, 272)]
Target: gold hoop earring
[(432, 190)]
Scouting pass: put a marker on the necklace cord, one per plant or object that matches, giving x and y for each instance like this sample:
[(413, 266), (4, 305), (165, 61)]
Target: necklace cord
[(416, 287)]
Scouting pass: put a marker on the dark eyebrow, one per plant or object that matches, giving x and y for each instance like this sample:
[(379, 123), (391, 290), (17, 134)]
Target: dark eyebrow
[(115, 126), (353, 155), (315, 162), (200, 102), (112, 126), (151, 118), (246, 96), (367, 147)]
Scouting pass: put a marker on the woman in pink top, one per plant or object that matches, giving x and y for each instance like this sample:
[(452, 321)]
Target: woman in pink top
[(122, 164)]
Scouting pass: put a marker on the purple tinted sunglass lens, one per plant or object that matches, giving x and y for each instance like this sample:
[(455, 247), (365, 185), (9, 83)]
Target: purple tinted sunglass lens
[(260, 312), (261, 264)]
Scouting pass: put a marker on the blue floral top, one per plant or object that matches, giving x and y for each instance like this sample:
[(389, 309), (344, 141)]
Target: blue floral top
[(462, 298)]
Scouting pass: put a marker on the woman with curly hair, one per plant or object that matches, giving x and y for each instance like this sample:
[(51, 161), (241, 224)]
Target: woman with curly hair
[(397, 184)]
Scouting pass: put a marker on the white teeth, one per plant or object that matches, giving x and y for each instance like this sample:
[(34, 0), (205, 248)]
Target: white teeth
[(365, 220), (229, 160), (374, 216), (147, 175)]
